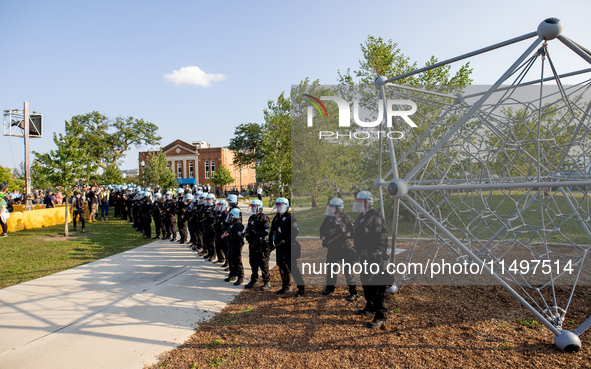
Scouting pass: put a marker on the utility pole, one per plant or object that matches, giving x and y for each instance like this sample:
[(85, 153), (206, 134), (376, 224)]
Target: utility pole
[(28, 194)]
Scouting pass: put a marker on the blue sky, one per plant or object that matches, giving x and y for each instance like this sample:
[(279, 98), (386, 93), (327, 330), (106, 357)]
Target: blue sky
[(68, 58)]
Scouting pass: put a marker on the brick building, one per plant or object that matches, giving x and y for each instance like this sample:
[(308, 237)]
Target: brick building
[(195, 163)]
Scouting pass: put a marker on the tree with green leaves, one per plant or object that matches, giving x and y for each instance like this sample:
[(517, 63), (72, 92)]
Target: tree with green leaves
[(384, 58), (276, 140), (108, 140), (246, 145), (38, 177), (112, 175), (65, 165), (15, 181), (156, 171), (319, 165), (222, 177)]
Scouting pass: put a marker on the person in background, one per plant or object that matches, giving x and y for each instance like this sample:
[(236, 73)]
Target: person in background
[(104, 204), (59, 198), (90, 199), (3, 207), (48, 200), (78, 202)]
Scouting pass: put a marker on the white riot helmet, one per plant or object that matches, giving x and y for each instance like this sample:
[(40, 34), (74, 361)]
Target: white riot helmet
[(255, 207), (281, 205), (335, 206), (363, 202), (220, 205), (209, 200)]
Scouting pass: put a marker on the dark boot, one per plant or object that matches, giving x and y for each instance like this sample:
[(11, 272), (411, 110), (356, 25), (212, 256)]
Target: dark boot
[(283, 290), (266, 286), (301, 291), (377, 323), (251, 284), (238, 282)]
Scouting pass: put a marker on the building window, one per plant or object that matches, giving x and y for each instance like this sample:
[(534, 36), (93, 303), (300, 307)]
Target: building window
[(168, 164), (206, 169), (191, 173), (212, 167), (179, 170)]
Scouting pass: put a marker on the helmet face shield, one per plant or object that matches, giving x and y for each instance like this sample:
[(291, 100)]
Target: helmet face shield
[(219, 207), (252, 209), (359, 206), (331, 210), (280, 207), (208, 202)]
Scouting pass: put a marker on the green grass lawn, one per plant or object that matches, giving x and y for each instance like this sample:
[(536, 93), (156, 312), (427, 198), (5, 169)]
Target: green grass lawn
[(458, 212), (34, 253)]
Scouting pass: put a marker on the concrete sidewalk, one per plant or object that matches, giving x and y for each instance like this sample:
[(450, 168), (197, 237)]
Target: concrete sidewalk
[(118, 312)]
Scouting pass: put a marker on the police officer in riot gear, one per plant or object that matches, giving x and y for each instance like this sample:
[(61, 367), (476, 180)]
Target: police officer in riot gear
[(220, 213), (181, 209), (234, 236), (336, 235), (146, 214), (232, 204), (207, 223), (158, 215), (371, 242), (284, 230), (200, 216), (170, 216), (256, 233)]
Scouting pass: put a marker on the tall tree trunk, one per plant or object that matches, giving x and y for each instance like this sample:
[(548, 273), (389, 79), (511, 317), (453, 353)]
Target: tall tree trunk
[(66, 225)]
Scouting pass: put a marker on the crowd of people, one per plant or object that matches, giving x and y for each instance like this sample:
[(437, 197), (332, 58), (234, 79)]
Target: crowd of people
[(215, 229)]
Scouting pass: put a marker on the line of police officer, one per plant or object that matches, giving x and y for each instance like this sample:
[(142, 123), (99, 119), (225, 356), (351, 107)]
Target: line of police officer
[(215, 230)]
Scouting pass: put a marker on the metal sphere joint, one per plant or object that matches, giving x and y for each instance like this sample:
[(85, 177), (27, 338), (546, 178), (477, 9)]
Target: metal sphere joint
[(398, 188), (550, 28)]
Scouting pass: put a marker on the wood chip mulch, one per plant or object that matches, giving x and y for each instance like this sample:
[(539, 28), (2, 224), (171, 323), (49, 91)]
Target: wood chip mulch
[(428, 327)]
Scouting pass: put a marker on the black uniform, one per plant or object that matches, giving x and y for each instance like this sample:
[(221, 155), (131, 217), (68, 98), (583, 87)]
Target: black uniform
[(235, 241), (258, 246), (78, 205), (146, 216), (181, 209), (136, 214), (191, 223), (170, 218), (337, 232), (158, 215), (371, 242), (227, 250), (207, 219), (284, 230), (218, 226), (199, 228)]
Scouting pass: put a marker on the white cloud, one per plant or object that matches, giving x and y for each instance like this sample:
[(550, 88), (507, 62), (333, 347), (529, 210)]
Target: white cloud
[(192, 75)]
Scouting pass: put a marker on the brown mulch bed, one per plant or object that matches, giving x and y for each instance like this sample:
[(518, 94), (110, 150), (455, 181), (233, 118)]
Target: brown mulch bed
[(428, 326)]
